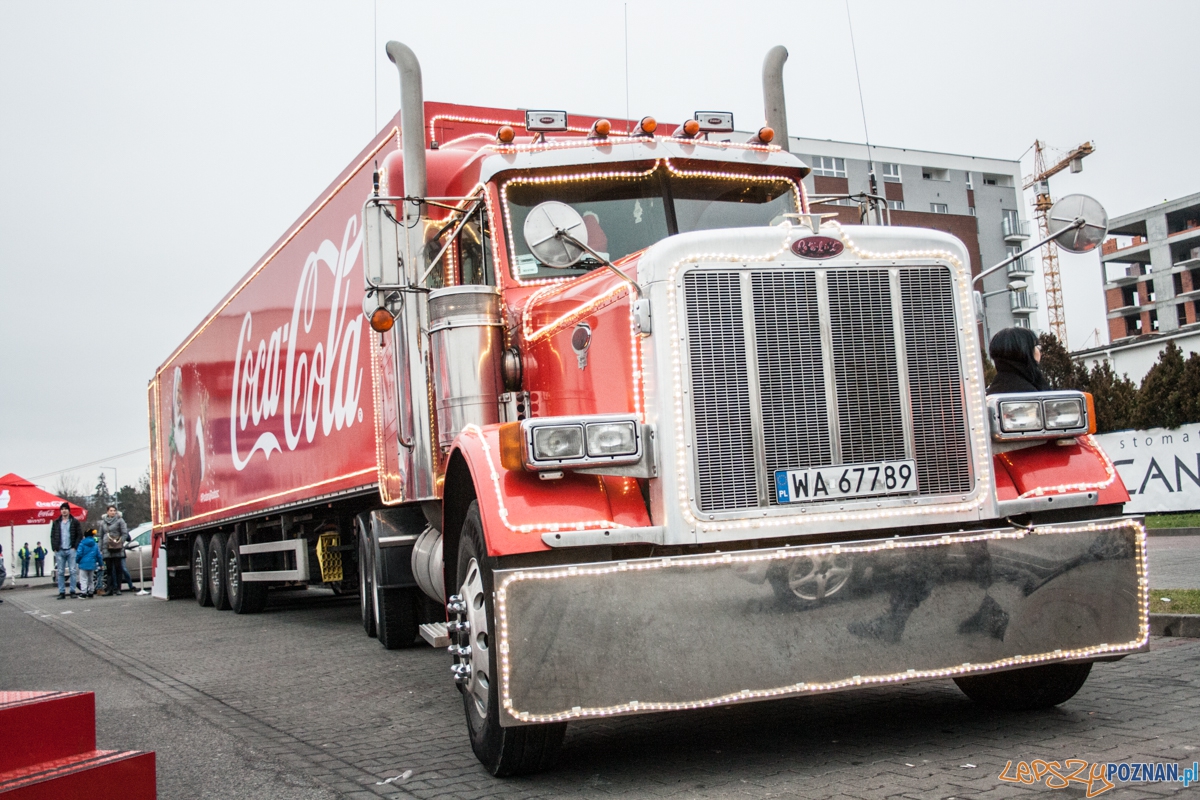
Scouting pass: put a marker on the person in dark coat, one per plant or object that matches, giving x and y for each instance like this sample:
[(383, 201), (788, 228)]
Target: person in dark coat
[(65, 535), (1016, 354), (39, 559)]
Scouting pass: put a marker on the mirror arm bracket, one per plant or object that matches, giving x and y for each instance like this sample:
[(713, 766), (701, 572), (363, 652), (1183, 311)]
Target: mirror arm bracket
[(1078, 223), (641, 307)]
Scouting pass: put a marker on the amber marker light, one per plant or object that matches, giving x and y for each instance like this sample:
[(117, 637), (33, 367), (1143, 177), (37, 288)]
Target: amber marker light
[(382, 320), (512, 453), (1091, 411), (765, 135), (688, 129), (647, 126), (506, 134), (600, 129)]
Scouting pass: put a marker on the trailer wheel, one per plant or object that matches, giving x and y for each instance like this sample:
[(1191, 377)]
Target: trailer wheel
[(200, 571), (1043, 686), (502, 751), (216, 572), (244, 597), (396, 622), (366, 585)]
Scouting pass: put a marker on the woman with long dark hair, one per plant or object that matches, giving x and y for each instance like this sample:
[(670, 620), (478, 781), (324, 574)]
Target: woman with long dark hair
[(1016, 354)]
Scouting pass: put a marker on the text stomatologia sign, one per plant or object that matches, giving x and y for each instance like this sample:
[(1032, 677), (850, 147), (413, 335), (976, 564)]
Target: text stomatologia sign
[(1160, 467)]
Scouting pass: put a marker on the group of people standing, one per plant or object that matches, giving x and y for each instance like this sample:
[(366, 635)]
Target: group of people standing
[(37, 555), (79, 555)]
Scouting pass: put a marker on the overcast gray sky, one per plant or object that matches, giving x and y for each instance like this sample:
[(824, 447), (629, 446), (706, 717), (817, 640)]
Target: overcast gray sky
[(150, 152)]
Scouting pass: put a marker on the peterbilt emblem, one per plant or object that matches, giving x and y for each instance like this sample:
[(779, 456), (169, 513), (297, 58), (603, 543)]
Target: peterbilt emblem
[(581, 339), (545, 120), (817, 247)]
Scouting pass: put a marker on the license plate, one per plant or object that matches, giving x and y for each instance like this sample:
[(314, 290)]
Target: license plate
[(847, 480)]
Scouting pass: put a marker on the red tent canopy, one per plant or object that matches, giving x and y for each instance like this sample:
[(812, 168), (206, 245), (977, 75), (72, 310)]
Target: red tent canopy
[(22, 503)]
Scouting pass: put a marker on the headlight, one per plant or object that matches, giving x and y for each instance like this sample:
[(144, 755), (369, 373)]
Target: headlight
[(557, 442), (1064, 413), (611, 439), (1021, 415)]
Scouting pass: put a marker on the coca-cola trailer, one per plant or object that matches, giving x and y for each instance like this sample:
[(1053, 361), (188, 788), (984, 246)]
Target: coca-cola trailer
[(609, 411)]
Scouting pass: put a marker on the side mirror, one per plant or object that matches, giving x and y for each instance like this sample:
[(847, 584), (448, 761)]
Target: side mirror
[(1063, 215), (541, 229), (381, 252)]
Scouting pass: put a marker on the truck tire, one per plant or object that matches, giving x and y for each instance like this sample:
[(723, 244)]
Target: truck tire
[(200, 570), (216, 572), (244, 597), (366, 583), (396, 621), (1043, 686), (502, 751)]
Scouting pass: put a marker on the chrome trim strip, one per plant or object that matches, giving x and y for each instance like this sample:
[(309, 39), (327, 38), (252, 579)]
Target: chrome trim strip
[(832, 413), (653, 534), (906, 412), (749, 320), (1028, 505)]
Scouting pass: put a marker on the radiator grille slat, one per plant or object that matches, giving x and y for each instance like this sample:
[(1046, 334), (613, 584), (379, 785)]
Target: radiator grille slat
[(720, 392), (934, 381), (792, 370), (864, 365), (790, 373)]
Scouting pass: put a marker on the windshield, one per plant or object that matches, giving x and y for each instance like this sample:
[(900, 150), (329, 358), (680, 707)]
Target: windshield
[(625, 212)]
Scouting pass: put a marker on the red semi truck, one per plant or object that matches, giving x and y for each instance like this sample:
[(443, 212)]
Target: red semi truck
[(611, 413)]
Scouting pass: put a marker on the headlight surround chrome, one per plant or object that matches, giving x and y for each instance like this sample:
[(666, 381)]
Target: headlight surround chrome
[(1040, 415), (550, 443)]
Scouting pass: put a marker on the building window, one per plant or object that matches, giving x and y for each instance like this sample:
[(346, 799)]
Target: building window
[(1153, 320), (939, 208), (969, 184), (1020, 322), (896, 205), (997, 180), (971, 210), (1133, 325), (891, 173), (934, 174), (829, 167), (1181, 314), (1178, 283)]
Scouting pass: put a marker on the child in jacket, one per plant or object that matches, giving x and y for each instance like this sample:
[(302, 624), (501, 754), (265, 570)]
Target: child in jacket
[(87, 556)]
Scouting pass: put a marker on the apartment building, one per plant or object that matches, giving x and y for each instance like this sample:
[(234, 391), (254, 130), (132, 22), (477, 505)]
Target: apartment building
[(1150, 265), (979, 200)]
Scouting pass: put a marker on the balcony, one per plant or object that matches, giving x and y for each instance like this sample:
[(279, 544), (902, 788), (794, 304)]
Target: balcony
[(1021, 268), (1023, 302), (1015, 230)]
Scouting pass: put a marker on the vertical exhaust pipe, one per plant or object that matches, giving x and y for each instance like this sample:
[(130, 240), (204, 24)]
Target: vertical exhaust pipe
[(412, 120), (773, 103)]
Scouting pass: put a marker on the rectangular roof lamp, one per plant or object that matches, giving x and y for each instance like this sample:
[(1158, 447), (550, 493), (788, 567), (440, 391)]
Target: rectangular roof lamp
[(545, 121), (714, 121)]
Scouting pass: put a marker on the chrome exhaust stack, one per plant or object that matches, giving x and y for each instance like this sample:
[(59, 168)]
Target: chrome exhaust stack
[(412, 124), (773, 102)]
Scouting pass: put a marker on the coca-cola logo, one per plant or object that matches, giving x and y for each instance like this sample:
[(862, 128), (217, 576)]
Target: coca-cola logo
[(817, 247), (314, 384)]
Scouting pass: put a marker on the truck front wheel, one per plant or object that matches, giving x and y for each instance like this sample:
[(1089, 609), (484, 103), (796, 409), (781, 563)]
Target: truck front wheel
[(1043, 686), (502, 751)]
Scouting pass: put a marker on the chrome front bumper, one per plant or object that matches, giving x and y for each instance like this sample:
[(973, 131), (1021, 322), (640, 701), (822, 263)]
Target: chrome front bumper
[(672, 633)]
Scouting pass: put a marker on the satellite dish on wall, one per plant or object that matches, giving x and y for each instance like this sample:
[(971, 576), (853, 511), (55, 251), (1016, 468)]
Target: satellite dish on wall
[(1085, 237)]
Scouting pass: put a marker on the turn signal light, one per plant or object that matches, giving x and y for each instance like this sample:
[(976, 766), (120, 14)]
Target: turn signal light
[(506, 134), (600, 129), (512, 451), (647, 126), (382, 320)]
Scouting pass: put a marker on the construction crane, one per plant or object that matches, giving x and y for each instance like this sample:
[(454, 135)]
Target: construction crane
[(1040, 183)]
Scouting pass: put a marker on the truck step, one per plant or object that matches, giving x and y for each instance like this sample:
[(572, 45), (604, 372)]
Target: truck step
[(45, 726), (435, 633), (96, 775)]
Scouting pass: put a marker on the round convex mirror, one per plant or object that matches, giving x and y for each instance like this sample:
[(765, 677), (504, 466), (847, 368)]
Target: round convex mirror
[(541, 226), (1087, 236)]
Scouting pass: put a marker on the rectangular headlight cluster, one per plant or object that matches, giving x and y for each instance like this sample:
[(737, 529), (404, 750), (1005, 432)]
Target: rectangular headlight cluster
[(556, 442), (1045, 415)]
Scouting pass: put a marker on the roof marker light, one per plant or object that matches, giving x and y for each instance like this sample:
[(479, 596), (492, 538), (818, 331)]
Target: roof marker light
[(506, 134), (764, 136), (687, 130), (600, 129), (646, 127)]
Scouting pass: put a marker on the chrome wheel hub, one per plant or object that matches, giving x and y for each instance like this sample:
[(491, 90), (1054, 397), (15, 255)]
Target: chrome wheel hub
[(472, 662)]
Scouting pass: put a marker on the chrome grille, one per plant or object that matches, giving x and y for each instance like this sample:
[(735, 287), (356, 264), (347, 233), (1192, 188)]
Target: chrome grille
[(864, 366), (790, 372), (877, 361), (724, 445), (934, 381)]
